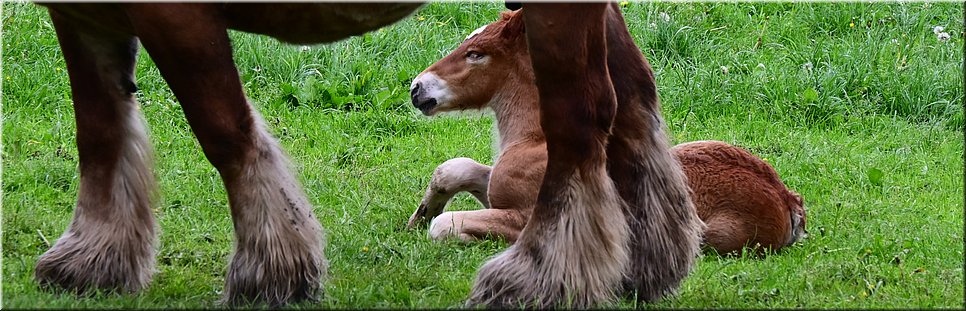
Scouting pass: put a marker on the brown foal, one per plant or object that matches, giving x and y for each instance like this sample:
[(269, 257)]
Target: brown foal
[(492, 68), (738, 196)]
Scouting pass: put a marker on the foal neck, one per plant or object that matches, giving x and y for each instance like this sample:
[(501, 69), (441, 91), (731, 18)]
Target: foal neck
[(517, 110)]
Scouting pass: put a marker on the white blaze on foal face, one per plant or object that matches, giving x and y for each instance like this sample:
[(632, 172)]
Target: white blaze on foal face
[(475, 32)]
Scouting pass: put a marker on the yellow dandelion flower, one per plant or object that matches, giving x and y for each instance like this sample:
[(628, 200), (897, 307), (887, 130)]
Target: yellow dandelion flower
[(852, 24), (624, 4), (766, 159), (420, 18), (365, 249)]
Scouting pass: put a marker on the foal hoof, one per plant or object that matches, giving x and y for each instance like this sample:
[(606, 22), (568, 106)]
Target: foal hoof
[(104, 263), (418, 218)]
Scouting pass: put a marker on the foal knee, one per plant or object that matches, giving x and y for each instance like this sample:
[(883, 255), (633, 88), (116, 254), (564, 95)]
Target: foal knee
[(442, 227), (460, 174), (454, 176), (448, 226)]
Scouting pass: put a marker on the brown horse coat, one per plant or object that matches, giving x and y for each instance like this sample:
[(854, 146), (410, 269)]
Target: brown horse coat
[(623, 146), (738, 196)]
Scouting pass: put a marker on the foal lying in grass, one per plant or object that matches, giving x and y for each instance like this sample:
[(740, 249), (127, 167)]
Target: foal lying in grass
[(738, 196)]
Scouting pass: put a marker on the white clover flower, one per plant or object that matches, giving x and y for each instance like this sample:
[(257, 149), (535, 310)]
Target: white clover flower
[(304, 48), (895, 41), (807, 66), (724, 69), (664, 16), (938, 29), (652, 25), (943, 36)]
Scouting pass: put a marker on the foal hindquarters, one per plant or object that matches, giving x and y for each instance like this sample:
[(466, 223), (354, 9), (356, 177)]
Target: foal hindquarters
[(110, 243)]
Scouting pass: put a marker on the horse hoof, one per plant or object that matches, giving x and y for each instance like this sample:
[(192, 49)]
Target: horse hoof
[(286, 272), (514, 279), (99, 262), (498, 284)]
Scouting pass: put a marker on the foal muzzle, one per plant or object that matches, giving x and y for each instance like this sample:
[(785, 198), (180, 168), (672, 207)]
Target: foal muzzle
[(422, 100), (428, 92)]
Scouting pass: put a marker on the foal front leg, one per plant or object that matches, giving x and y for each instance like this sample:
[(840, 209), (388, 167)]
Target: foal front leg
[(279, 243), (450, 178), (110, 243)]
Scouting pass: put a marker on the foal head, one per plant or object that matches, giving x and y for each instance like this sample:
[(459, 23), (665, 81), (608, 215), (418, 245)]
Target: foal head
[(491, 61)]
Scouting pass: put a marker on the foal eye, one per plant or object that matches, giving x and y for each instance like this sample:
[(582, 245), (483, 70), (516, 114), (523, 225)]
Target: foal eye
[(474, 56)]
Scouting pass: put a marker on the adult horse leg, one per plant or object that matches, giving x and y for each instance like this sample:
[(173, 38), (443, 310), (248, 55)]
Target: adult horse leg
[(278, 251), (665, 228), (450, 178), (574, 248), (110, 243)]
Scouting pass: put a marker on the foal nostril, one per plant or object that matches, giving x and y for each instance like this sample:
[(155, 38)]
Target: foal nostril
[(414, 90)]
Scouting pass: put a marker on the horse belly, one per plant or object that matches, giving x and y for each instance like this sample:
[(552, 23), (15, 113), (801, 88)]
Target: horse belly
[(312, 23), (105, 18)]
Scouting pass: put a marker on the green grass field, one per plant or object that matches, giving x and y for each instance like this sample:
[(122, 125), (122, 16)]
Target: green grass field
[(858, 106)]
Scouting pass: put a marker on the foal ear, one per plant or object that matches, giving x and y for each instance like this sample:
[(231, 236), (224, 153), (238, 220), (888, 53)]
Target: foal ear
[(514, 24)]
